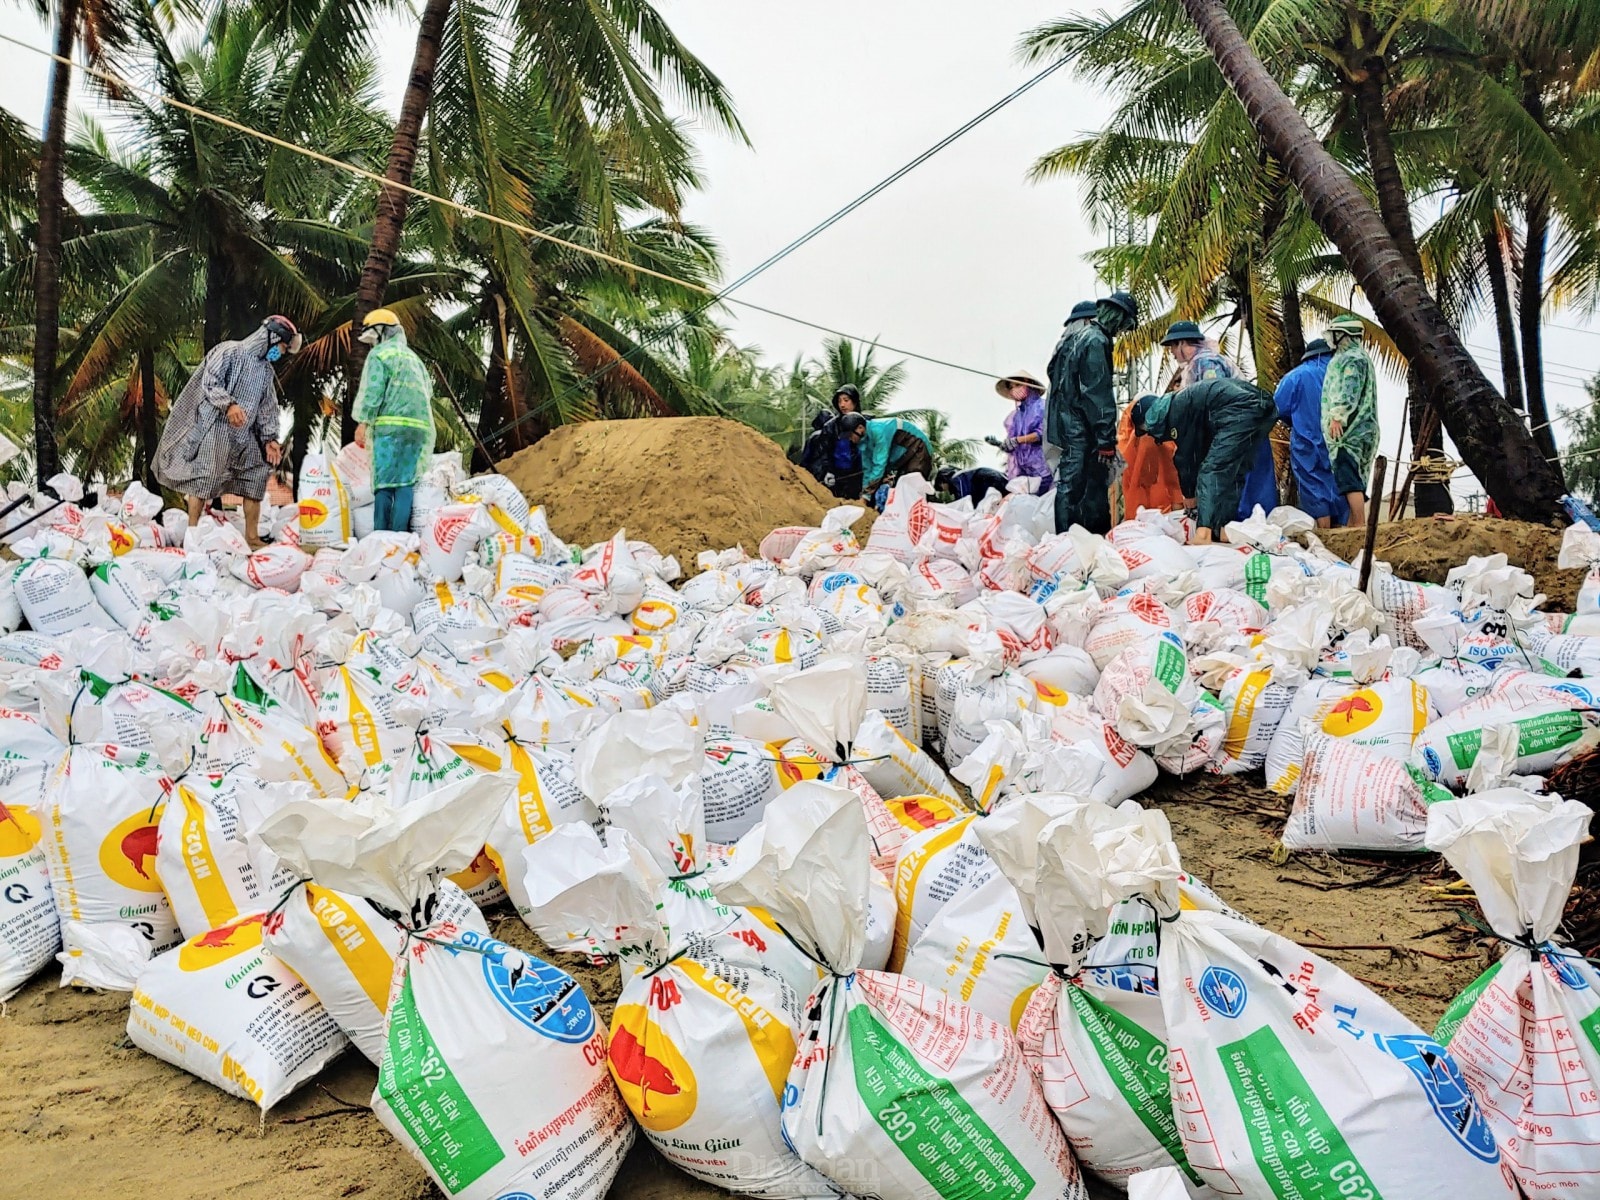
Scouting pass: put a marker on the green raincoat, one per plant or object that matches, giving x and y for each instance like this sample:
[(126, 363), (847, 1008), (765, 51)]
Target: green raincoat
[(396, 404), (1080, 419), (1217, 425), (1350, 396)]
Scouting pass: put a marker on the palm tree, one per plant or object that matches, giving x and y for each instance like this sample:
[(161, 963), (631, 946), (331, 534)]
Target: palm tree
[(844, 361), (1490, 436), (100, 25), (948, 451), (599, 67)]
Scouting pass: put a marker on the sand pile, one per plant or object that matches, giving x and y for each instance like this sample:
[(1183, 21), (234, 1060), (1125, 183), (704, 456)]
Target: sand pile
[(1425, 549), (683, 484)]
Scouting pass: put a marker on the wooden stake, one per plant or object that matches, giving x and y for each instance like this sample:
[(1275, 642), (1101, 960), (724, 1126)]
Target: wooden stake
[(1379, 468)]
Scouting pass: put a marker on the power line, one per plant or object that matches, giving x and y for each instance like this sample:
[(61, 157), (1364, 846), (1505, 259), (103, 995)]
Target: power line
[(714, 297)]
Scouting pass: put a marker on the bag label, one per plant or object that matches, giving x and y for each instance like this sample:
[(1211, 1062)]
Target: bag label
[(1453, 1017), (1136, 1060), (429, 1101), (1535, 735), (1297, 1147), (934, 1126), (1171, 667)]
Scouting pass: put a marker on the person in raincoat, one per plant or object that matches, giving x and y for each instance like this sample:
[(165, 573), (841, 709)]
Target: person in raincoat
[(1082, 312), (1350, 413), (1299, 400), (1200, 358), (830, 456), (395, 409), (976, 482), (222, 435), (1024, 440), (890, 447), (1218, 425), (1081, 418)]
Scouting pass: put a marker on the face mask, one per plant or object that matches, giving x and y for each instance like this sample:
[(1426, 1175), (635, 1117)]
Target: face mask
[(274, 353)]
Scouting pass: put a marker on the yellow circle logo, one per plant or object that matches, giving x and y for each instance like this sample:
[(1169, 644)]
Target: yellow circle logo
[(1353, 713), (122, 539), (1020, 1005), (654, 1079), (479, 870), (796, 768), (128, 855), (20, 830), (652, 616), (918, 813), (219, 945), (1053, 696), (312, 513)]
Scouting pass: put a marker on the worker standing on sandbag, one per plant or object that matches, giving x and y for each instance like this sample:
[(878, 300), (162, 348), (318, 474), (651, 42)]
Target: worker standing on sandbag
[(395, 411), (890, 447), (1200, 358), (1217, 425), (1082, 416), (222, 435), (1024, 440), (1299, 400), (1350, 413), (828, 454)]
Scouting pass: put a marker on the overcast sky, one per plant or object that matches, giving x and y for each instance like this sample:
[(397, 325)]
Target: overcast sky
[(964, 259)]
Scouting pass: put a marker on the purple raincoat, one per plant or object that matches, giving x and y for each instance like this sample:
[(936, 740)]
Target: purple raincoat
[(1026, 418)]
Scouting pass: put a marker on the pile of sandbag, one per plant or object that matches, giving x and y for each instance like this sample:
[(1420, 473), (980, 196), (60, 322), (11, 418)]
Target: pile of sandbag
[(859, 824)]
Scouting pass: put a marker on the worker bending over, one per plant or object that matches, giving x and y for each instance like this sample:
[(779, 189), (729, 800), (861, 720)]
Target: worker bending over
[(1217, 426), (890, 447)]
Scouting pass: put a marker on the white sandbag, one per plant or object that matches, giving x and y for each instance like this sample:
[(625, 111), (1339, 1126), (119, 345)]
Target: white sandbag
[(1549, 726), (451, 533), (1254, 703), (894, 688), (205, 865), (894, 767), (1355, 797), (275, 566), (1386, 716), (1100, 1054), (903, 1063), (1127, 619), (104, 810), (30, 933), (1580, 549), (345, 951), (702, 1035), (467, 1029), (972, 692), (1147, 693), (124, 590), (55, 597), (905, 519), (324, 503), (1525, 1031), (354, 466), (1286, 1072), (221, 1007)]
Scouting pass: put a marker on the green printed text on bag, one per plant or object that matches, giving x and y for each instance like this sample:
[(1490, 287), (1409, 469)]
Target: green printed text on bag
[(427, 1098), (938, 1131), (1171, 667), (1257, 574), (1136, 1060), (1535, 735), (1299, 1150)]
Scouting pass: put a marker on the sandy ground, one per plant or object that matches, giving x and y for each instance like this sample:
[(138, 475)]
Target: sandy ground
[(83, 1114)]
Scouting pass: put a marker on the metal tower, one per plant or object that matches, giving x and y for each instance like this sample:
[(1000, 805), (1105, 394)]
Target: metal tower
[(1138, 376)]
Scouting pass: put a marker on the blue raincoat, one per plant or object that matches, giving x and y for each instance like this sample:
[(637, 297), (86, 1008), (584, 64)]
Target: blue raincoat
[(1299, 400)]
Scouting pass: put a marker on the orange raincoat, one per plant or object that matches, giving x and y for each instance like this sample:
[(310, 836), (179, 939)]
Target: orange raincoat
[(1151, 481)]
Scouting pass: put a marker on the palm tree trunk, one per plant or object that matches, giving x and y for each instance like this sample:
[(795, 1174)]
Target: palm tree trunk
[(391, 214), (145, 435), (1294, 326), (1504, 323), (1530, 316), (1394, 206), (1491, 437), (213, 328), (47, 250)]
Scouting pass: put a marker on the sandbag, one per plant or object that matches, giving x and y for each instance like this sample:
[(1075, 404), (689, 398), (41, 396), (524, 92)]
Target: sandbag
[(207, 870), (1524, 1032), (1355, 797), (324, 502), (55, 597), (104, 807), (1386, 716), (702, 1034), (1127, 619), (1548, 725), (223, 1008), (345, 951), (30, 932), (902, 1063), (894, 766)]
